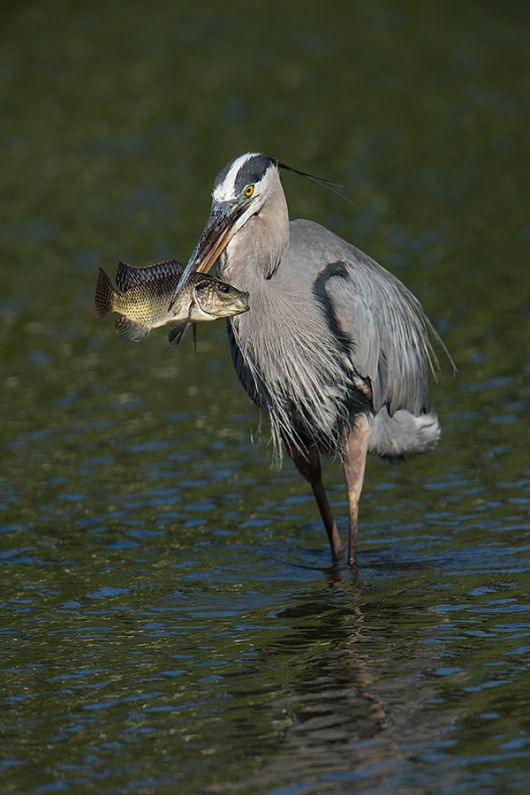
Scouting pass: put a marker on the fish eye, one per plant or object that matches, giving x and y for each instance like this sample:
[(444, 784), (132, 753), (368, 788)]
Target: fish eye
[(249, 190), (224, 288)]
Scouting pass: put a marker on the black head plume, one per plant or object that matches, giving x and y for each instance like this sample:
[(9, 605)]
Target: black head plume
[(325, 183)]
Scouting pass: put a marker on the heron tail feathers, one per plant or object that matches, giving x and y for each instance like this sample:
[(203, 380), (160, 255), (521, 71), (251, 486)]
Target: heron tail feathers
[(403, 433)]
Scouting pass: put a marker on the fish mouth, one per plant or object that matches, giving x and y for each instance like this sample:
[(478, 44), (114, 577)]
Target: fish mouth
[(217, 234), (245, 306)]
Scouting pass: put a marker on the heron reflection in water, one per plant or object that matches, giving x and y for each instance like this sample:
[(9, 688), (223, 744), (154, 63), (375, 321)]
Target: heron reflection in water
[(335, 348)]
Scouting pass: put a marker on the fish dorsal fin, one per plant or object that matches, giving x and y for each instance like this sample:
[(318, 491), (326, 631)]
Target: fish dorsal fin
[(129, 276)]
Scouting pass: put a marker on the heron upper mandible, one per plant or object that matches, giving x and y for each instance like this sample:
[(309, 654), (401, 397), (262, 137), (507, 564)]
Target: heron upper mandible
[(335, 348)]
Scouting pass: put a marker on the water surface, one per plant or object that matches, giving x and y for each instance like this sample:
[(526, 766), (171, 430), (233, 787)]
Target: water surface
[(170, 620)]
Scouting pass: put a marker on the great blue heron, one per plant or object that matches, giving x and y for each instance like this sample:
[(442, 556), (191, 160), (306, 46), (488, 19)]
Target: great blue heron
[(335, 348)]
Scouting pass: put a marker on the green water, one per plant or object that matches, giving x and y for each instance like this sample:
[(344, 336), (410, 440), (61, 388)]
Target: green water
[(169, 618)]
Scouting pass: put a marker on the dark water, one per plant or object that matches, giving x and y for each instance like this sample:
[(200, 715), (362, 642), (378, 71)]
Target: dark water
[(169, 619)]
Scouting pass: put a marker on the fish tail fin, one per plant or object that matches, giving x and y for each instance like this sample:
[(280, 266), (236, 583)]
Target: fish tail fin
[(103, 299)]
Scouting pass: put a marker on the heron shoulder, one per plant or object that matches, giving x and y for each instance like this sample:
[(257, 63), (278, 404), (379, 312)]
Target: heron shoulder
[(314, 243), (317, 247)]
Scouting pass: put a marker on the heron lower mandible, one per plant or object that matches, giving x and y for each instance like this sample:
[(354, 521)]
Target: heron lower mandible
[(335, 348)]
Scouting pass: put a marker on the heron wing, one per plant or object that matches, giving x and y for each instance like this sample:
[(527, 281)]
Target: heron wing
[(388, 331)]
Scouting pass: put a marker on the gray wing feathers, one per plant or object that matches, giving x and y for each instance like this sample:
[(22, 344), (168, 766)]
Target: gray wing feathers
[(391, 336)]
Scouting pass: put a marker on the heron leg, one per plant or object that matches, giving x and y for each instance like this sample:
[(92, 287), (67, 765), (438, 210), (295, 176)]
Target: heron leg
[(354, 460), (308, 464)]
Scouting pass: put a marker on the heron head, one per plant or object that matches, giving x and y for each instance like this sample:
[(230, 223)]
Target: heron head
[(240, 191), (244, 184)]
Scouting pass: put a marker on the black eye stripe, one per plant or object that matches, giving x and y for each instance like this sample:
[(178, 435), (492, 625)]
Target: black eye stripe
[(253, 171)]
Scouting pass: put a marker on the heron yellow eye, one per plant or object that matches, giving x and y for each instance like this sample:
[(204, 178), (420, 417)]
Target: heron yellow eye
[(249, 190)]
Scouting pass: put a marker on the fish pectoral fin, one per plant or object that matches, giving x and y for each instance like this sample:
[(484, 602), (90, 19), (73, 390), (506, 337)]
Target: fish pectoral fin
[(176, 331), (130, 329)]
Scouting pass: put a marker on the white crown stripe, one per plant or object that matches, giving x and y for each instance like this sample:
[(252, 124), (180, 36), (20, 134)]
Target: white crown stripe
[(227, 188)]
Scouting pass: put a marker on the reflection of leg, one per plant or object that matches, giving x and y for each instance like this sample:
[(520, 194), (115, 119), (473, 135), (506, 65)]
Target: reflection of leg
[(354, 458), (378, 712), (308, 464)]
